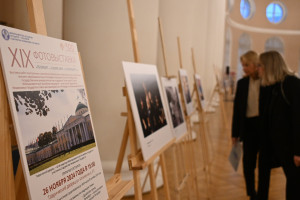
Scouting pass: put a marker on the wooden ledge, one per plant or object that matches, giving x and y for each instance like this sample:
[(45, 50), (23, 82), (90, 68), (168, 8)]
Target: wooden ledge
[(181, 138), (124, 114), (136, 162), (117, 188)]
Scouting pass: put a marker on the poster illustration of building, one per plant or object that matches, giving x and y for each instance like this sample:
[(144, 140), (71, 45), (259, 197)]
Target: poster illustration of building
[(52, 120), (148, 107)]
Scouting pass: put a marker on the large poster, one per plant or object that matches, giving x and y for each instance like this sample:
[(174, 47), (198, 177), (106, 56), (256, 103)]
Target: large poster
[(148, 107), (51, 115), (170, 88), (186, 91)]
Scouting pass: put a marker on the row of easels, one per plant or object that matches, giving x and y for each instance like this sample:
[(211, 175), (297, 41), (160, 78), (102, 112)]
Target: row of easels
[(14, 187)]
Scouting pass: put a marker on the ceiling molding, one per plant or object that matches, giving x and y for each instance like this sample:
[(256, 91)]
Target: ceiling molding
[(260, 30)]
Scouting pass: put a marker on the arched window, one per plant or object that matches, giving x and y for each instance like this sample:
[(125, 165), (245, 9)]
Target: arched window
[(276, 12), (274, 44), (244, 46), (247, 8)]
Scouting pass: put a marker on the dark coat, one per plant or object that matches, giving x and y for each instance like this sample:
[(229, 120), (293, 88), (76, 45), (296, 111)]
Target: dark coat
[(240, 107), (282, 115)]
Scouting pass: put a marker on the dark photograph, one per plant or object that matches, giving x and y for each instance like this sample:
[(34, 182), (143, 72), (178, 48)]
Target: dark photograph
[(174, 105), (149, 103)]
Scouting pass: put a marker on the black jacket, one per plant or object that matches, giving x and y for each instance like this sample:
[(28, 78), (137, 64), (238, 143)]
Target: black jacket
[(240, 107), (281, 116)]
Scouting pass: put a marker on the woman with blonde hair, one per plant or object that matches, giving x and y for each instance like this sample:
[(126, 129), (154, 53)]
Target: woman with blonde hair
[(245, 121), (280, 106)]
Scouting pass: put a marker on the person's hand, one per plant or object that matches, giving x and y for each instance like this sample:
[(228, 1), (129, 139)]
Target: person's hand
[(297, 161), (234, 140)]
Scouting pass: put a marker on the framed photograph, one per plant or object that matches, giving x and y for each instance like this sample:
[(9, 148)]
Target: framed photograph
[(172, 96), (52, 120), (200, 90), (186, 91), (148, 107)]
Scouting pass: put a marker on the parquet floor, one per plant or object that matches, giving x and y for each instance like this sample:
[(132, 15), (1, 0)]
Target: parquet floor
[(224, 183)]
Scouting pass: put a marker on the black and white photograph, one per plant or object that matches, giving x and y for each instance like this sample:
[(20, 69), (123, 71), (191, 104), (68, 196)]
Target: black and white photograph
[(186, 91), (148, 106), (200, 90), (170, 88)]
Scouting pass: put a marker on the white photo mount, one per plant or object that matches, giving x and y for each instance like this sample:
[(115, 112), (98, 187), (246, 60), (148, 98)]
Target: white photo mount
[(200, 92), (186, 91), (141, 80), (176, 114)]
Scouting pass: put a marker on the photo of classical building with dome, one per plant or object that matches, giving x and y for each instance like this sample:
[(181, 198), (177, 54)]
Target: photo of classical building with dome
[(69, 136)]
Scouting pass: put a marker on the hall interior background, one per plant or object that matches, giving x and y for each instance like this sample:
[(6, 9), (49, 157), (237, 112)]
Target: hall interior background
[(215, 29)]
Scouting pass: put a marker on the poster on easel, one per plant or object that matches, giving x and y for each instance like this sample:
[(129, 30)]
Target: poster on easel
[(51, 115), (200, 90), (172, 96), (186, 91), (148, 107)]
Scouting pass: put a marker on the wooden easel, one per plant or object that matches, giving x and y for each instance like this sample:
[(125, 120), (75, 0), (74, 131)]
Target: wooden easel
[(218, 90), (202, 131), (189, 144), (135, 159), (179, 144), (15, 187)]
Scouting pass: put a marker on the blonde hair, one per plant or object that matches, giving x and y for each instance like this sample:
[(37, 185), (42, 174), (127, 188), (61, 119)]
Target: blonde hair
[(250, 57), (275, 69)]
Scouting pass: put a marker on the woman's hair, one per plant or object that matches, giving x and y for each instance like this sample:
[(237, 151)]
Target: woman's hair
[(250, 57), (274, 66)]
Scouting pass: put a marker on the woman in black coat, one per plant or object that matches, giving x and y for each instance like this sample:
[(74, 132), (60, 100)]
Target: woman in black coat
[(281, 117), (245, 122)]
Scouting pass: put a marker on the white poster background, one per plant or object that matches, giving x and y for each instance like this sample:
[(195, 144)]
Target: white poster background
[(200, 92), (180, 129), (187, 95), (155, 141), (33, 62)]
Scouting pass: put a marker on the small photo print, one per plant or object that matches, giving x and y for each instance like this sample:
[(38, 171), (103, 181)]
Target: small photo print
[(186, 89), (170, 87), (55, 125), (199, 90), (149, 102)]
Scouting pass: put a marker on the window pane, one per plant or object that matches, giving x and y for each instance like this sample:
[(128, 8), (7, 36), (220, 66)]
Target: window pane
[(274, 12)]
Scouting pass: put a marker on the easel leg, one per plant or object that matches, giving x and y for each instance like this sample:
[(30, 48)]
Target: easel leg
[(137, 185), (175, 163), (164, 174), (20, 184), (122, 149), (205, 157), (152, 181), (7, 188)]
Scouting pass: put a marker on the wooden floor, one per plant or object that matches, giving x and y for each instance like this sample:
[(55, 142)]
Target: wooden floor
[(224, 182)]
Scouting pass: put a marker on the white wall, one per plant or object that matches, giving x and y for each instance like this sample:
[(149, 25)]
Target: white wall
[(101, 30), (14, 12)]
